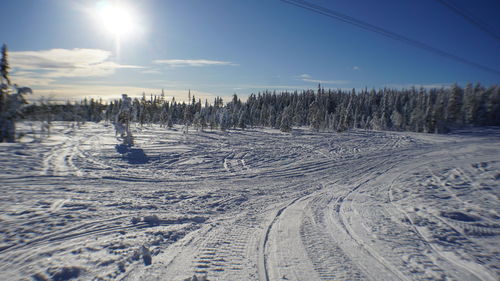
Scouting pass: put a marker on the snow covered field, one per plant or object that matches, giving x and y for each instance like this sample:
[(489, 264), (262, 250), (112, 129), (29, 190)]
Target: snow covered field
[(250, 205)]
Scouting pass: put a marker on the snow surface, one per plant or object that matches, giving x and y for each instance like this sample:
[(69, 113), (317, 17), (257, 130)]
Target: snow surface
[(249, 205)]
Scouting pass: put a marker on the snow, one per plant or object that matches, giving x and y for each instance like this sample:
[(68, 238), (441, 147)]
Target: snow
[(257, 204)]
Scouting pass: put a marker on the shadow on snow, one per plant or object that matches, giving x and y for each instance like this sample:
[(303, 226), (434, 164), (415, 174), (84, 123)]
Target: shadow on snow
[(132, 155)]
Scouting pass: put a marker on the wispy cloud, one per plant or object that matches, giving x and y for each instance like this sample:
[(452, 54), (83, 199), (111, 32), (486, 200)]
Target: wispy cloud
[(58, 63), (326, 81), (62, 92), (31, 80), (194, 63), (308, 78), (151, 71), (355, 67)]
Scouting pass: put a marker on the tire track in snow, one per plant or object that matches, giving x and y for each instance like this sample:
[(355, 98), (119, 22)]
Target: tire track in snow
[(367, 259), (33, 249), (334, 220), (60, 160), (300, 248), (229, 246), (225, 253), (329, 260), (427, 225), (385, 220), (263, 256), (326, 262)]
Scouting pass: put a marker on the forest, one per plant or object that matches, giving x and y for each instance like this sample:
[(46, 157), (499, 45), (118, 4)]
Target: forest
[(435, 110)]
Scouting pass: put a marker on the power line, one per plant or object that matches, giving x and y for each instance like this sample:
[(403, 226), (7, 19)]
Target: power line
[(467, 16), (370, 27)]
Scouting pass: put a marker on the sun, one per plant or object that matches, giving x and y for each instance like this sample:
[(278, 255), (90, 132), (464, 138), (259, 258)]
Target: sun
[(116, 19)]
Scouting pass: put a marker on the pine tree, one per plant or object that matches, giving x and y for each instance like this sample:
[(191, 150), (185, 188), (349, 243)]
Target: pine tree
[(286, 120), (470, 105), (224, 119), (10, 103), (493, 105), (197, 121), (4, 66), (241, 120), (4, 86), (314, 116), (438, 116), (455, 104), (481, 115)]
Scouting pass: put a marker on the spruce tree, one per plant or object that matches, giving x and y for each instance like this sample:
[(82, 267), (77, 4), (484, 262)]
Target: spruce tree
[(286, 120), (455, 103), (4, 66)]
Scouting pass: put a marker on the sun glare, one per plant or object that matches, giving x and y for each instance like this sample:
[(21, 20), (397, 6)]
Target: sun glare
[(116, 19)]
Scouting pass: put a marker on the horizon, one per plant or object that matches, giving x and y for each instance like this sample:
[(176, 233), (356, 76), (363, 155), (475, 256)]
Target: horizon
[(103, 49)]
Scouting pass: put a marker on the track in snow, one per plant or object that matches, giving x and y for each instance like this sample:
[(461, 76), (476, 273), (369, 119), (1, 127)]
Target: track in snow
[(252, 205)]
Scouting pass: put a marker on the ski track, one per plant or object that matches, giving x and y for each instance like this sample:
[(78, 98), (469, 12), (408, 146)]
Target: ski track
[(251, 205)]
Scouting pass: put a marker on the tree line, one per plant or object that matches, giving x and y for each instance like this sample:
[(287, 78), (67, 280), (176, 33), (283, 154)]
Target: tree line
[(435, 110)]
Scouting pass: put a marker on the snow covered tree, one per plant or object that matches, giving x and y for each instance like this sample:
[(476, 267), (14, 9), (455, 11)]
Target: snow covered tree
[(470, 104), (314, 116), (286, 120), (12, 99), (438, 116), (493, 105), (4, 87), (224, 119), (4, 66), (122, 121), (397, 120), (455, 104), (422, 110), (13, 105), (242, 120), (197, 120), (482, 109)]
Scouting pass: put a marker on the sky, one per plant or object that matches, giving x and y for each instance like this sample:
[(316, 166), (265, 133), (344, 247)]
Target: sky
[(68, 50)]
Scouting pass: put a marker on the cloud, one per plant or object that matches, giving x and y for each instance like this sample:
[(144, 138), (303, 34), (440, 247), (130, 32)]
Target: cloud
[(308, 78), (63, 92), (31, 81), (355, 67), (194, 63), (326, 81), (151, 71), (58, 63)]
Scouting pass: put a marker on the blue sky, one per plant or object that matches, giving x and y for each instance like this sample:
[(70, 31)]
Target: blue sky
[(220, 47)]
